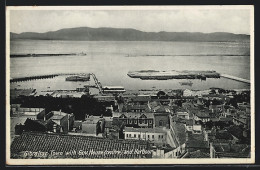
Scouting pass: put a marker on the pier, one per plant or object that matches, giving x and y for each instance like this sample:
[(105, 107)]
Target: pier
[(98, 84), (235, 78)]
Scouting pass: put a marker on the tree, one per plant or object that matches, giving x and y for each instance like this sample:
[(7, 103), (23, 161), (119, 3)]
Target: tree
[(160, 94)]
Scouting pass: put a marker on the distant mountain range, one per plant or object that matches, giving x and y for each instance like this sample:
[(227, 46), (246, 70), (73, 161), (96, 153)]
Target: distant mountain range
[(125, 34)]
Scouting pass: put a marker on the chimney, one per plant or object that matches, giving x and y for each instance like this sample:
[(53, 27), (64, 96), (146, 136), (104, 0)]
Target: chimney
[(55, 128), (187, 137), (44, 116), (68, 122), (206, 138), (212, 151)]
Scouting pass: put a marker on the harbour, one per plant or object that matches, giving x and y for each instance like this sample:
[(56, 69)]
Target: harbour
[(105, 61)]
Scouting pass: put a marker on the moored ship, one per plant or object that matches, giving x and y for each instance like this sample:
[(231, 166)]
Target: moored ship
[(81, 77), (113, 89)]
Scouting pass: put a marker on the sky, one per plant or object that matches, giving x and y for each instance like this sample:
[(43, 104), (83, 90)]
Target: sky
[(186, 20)]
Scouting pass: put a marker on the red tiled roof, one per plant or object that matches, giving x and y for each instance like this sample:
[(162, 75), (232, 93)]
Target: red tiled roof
[(45, 142), (160, 109), (226, 150), (189, 122), (196, 141), (197, 144), (140, 98), (181, 132), (198, 154), (129, 108), (203, 114)]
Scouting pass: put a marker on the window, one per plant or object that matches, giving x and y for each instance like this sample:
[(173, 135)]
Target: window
[(150, 121), (130, 121), (162, 136), (139, 136), (145, 121), (143, 116), (135, 121), (126, 135), (160, 123), (122, 116), (159, 136), (140, 121), (153, 136), (134, 135), (148, 136), (129, 135)]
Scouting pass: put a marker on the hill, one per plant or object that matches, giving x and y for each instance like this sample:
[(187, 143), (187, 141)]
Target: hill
[(120, 34)]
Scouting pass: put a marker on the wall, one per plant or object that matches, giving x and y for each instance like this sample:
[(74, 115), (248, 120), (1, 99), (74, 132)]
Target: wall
[(175, 153), (161, 117), (89, 128)]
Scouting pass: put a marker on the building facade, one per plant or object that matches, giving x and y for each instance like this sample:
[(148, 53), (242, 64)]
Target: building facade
[(156, 135), (143, 120)]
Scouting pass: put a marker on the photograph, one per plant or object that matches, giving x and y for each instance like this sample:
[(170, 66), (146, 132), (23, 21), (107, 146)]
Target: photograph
[(131, 85)]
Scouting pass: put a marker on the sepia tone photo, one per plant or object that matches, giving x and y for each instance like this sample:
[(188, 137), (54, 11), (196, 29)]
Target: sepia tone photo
[(130, 85)]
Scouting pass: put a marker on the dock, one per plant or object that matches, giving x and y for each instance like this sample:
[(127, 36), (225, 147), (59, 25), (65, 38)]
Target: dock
[(173, 74), (235, 78)]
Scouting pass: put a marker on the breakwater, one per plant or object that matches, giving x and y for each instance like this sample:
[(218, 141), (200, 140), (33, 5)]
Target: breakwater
[(46, 55), (235, 78), (47, 76)]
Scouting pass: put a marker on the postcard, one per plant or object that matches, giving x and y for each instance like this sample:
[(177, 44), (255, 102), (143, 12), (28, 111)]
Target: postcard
[(130, 85)]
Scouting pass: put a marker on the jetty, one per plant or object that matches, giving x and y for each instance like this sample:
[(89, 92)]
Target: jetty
[(235, 78)]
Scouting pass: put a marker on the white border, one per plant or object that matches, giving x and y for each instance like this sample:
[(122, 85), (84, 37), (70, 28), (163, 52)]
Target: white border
[(128, 161)]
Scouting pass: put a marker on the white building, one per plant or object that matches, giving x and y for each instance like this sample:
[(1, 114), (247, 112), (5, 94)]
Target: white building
[(156, 135), (188, 92), (183, 114)]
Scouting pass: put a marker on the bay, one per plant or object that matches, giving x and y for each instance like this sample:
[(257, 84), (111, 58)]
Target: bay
[(110, 61)]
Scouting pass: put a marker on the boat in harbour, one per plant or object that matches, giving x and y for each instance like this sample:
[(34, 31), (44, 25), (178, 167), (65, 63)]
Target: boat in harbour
[(186, 83), (80, 77)]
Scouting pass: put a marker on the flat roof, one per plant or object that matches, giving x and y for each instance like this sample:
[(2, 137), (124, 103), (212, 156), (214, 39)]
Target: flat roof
[(145, 130), (56, 117)]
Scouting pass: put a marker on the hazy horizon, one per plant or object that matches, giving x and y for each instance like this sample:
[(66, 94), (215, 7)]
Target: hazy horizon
[(128, 28), (236, 21)]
